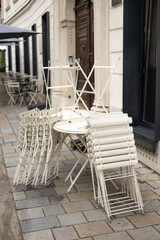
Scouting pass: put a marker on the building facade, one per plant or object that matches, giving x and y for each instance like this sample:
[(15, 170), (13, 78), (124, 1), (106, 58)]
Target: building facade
[(98, 31)]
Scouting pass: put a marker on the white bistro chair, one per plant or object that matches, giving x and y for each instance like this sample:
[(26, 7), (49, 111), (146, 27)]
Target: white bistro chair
[(36, 91), (112, 153), (37, 144), (14, 92)]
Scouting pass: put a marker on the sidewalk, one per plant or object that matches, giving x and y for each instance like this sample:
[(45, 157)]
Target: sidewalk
[(48, 213)]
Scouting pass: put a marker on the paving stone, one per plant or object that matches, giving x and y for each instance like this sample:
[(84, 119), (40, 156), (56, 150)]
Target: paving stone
[(144, 170), (6, 130), (152, 206), (71, 218), (18, 188), (145, 220), (157, 191), (145, 187), (63, 175), (155, 184), (65, 169), (66, 153), (31, 203), (95, 215), (7, 144), (69, 162), (157, 227), (13, 169), (78, 206), (3, 175), (92, 229), (139, 165), (65, 233), (149, 195), (30, 213), (9, 159), (39, 224), (63, 189), (9, 224), (39, 235), (85, 186), (113, 236), (87, 238), (84, 179), (14, 154), (145, 233), (58, 199), (149, 177), (61, 183), (0, 151), (19, 196), (125, 215), (80, 196), (53, 210), (11, 163), (8, 149), (120, 224), (40, 193), (9, 138)]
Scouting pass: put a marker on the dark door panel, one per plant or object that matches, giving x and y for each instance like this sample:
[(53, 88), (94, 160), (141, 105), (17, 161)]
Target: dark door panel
[(85, 44)]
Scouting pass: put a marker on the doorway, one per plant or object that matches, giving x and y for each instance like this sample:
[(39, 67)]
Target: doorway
[(85, 44)]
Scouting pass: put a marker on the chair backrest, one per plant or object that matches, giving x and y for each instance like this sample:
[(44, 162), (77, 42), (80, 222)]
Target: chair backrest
[(110, 140), (13, 87)]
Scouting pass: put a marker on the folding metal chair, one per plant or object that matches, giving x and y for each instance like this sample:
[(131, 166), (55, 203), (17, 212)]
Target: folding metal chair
[(37, 145), (36, 91), (112, 153), (13, 90)]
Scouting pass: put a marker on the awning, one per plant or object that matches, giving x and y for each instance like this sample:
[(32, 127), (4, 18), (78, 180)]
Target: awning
[(10, 40), (7, 31)]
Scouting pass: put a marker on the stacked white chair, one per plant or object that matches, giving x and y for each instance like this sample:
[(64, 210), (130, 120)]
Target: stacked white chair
[(38, 144), (112, 153)]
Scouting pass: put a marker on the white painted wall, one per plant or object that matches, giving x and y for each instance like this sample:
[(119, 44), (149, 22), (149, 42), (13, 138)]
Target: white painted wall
[(115, 51)]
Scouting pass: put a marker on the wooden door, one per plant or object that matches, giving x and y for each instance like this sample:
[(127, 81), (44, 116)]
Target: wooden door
[(85, 43)]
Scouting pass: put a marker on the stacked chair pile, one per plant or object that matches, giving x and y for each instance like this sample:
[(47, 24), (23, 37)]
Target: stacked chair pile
[(38, 144), (112, 153)]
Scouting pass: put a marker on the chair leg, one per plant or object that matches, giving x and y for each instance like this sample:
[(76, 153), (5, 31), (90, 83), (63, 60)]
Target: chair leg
[(32, 99)]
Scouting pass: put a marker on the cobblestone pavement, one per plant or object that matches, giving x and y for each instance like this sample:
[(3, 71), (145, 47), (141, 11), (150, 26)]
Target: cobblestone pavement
[(48, 213)]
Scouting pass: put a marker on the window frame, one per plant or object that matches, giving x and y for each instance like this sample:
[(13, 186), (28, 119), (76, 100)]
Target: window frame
[(146, 136)]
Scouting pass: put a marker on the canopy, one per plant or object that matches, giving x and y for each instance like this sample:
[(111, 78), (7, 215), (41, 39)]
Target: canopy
[(7, 31), (10, 40), (8, 44)]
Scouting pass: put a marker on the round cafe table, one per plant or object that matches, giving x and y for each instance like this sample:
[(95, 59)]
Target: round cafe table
[(74, 123)]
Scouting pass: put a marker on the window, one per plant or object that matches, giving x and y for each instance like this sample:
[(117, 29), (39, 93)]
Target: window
[(9, 58), (149, 70), (26, 56), (46, 43), (34, 51), (17, 57), (141, 69)]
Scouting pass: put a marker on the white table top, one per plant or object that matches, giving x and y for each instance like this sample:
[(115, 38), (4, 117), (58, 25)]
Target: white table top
[(74, 122), (75, 126), (69, 114)]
